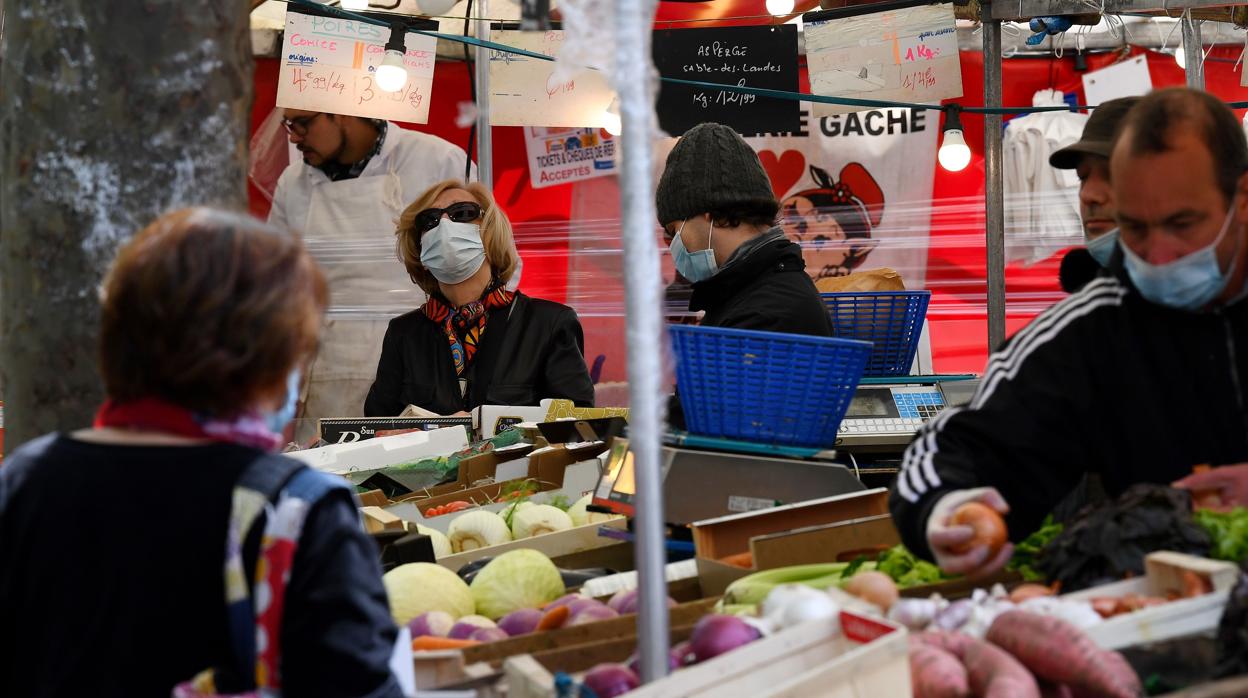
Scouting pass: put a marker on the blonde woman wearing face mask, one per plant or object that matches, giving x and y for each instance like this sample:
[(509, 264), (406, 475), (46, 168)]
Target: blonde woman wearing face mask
[(474, 342)]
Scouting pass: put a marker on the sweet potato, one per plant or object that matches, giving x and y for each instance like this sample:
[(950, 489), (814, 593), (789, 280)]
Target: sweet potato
[(1055, 690), (935, 673), (991, 671), (1057, 651)]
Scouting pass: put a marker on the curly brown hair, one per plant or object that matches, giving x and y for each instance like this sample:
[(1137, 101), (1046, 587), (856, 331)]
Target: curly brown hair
[(209, 310)]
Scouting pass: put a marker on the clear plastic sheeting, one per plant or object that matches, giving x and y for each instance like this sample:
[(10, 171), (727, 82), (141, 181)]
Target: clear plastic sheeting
[(270, 154)]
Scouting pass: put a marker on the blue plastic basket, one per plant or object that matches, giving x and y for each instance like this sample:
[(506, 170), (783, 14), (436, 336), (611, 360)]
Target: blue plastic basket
[(891, 320), (765, 387)]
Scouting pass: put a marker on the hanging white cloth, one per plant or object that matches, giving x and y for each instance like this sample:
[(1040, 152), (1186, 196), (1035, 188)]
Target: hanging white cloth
[(1041, 201)]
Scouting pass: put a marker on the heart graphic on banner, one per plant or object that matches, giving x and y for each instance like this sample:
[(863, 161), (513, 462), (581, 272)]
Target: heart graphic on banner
[(783, 171)]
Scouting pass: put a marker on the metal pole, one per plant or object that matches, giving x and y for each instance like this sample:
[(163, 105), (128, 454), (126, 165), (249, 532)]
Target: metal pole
[(1193, 52), (642, 293), (485, 136), (994, 187)]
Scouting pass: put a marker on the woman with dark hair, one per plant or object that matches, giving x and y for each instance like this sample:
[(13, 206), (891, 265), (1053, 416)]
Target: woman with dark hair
[(168, 542)]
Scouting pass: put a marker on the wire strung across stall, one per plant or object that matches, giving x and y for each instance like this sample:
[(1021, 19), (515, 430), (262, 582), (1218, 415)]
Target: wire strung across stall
[(742, 89)]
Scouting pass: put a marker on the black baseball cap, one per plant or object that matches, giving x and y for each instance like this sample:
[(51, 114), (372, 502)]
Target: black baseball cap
[(1098, 134)]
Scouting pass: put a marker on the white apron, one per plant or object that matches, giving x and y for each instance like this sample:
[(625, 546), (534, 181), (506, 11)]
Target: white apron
[(350, 230)]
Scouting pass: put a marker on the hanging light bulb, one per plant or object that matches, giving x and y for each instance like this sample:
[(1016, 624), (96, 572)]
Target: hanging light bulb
[(1180, 57), (954, 155), (435, 8), (355, 4), (392, 74), (779, 7), (611, 122)]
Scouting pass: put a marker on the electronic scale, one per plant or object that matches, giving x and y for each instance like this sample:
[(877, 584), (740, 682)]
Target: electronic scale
[(885, 412)]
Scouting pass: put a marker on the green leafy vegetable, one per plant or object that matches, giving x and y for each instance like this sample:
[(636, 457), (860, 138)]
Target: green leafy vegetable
[(908, 570), (560, 501), (1229, 532), (854, 566), (1028, 550)]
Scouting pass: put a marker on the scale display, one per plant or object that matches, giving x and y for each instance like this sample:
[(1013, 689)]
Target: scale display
[(891, 410)]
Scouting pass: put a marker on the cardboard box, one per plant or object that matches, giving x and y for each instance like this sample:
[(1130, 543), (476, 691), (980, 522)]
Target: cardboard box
[(566, 409), (572, 541), (342, 430), (572, 472), (372, 454), (836, 542), (730, 535), (491, 419)]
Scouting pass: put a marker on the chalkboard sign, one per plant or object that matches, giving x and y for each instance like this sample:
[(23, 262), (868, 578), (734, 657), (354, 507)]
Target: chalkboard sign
[(763, 57)]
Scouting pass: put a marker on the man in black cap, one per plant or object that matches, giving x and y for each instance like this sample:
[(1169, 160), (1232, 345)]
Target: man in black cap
[(717, 208), (1090, 158)]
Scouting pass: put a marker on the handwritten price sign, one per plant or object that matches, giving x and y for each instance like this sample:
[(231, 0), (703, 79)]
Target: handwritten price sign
[(329, 65), (524, 92), (908, 55)]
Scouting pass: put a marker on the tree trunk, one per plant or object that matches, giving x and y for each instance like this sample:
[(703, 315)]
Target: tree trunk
[(111, 113)]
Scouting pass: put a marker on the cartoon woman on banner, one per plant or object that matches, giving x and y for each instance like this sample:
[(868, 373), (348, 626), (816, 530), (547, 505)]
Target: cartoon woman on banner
[(833, 221)]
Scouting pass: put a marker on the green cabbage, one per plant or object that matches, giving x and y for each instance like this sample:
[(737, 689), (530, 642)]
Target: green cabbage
[(420, 587), (516, 579)]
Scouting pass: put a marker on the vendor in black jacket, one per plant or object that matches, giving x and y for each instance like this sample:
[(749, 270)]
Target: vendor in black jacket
[(717, 208), (1139, 377), (473, 342)]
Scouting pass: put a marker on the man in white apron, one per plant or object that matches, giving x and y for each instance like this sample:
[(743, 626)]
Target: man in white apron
[(356, 177)]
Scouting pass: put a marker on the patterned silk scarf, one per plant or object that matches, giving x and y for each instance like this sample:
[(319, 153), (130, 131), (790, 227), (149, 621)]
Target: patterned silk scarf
[(465, 327)]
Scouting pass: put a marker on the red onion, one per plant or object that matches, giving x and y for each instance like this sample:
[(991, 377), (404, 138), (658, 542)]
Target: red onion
[(467, 625), (590, 614), (676, 658), (625, 602), (610, 680), (714, 635), (521, 622), (436, 623), (488, 635), (563, 601)]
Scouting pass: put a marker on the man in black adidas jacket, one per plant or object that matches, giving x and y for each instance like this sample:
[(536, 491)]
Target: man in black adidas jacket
[(1138, 377)]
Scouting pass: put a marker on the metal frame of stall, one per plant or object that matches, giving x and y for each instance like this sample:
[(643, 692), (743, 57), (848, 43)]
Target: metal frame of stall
[(633, 21)]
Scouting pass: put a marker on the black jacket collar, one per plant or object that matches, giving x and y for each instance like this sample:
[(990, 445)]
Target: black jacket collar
[(777, 255)]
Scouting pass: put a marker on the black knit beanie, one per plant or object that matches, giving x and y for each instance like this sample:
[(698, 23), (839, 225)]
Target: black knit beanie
[(710, 168)]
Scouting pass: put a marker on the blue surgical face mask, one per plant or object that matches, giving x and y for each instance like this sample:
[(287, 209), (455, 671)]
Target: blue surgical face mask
[(1188, 283), (277, 420), (452, 252), (695, 266), (1102, 247)]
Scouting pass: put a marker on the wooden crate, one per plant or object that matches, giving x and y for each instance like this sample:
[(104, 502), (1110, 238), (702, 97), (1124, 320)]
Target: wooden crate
[(559, 544), (812, 660)]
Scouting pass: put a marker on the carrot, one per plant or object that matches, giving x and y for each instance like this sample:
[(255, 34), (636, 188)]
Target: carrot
[(422, 643), (1057, 651), (935, 673), (554, 618), (991, 671), (744, 560)]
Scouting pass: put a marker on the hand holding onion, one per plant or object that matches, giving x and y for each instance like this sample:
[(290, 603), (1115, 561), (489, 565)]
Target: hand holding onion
[(967, 533)]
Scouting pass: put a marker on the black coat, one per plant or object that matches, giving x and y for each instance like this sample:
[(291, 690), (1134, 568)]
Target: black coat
[(1103, 382), (768, 289), (531, 350)]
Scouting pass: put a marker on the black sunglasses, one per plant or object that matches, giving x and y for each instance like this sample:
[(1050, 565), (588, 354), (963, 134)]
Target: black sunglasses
[(462, 212)]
